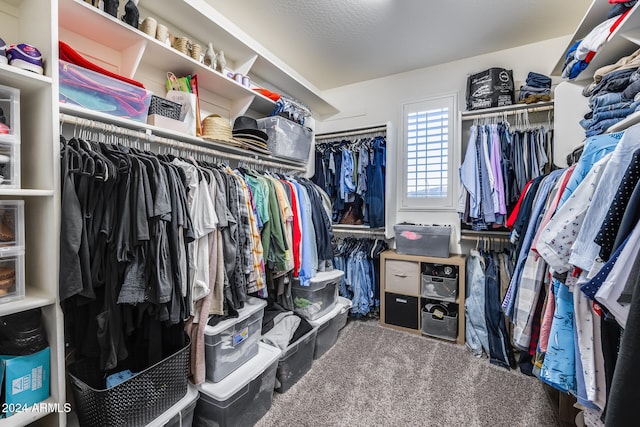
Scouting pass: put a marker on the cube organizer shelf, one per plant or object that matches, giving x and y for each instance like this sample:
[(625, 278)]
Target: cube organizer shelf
[(408, 285)]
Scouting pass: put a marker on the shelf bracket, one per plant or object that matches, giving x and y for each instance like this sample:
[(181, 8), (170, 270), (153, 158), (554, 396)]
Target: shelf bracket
[(131, 58), (240, 106), (243, 67)]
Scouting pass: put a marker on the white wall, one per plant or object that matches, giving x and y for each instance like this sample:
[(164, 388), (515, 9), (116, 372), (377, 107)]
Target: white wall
[(378, 101)]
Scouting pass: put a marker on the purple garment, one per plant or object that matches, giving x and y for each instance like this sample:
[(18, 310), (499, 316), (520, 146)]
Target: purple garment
[(496, 169)]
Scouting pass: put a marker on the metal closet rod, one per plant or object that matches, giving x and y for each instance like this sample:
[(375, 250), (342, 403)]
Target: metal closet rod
[(93, 124), (360, 131), (366, 231), (507, 112)]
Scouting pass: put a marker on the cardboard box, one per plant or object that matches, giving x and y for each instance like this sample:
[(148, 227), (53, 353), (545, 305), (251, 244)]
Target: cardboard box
[(26, 379)]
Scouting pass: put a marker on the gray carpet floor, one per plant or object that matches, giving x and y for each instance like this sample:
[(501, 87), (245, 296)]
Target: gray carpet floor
[(376, 376)]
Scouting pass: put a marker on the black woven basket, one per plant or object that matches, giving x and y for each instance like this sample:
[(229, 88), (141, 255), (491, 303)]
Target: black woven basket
[(165, 107), (134, 402)]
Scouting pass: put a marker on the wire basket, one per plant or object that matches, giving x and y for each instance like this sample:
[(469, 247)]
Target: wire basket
[(165, 107), (134, 402)]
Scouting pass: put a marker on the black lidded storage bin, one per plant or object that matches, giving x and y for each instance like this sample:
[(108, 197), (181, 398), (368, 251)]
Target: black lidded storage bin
[(401, 310), (422, 240), (134, 402), (295, 361), (243, 397)]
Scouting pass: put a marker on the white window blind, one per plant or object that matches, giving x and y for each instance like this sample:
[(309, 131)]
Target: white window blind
[(428, 134), (428, 153)]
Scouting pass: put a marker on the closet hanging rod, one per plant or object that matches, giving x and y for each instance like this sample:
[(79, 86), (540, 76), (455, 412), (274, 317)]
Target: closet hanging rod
[(513, 112), (353, 132), (474, 235), (338, 228), (250, 158)]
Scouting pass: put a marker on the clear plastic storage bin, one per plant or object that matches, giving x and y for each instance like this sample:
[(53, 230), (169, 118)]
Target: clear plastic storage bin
[(180, 414), (243, 397), (286, 138), (9, 165), (423, 240), (94, 91), (295, 361), (232, 342), (9, 115), (329, 325), (11, 224), (11, 275), (317, 299)]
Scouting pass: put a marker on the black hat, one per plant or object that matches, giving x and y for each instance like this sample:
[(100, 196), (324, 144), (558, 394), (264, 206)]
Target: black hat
[(248, 126)]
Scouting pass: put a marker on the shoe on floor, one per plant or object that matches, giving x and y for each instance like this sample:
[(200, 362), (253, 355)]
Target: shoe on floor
[(26, 57)]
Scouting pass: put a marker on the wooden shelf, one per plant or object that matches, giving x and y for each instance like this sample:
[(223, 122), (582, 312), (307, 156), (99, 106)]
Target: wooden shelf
[(75, 111), (627, 122), (25, 192), (26, 81), (34, 298), (136, 48), (507, 109), (622, 42), (457, 260)]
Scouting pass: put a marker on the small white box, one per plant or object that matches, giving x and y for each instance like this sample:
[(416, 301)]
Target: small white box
[(170, 124)]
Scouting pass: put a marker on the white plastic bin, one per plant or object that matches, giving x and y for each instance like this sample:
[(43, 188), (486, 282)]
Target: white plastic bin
[(232, 342)]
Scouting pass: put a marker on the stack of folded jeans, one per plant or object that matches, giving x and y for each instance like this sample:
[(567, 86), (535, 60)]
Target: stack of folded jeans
[(612, 99), (536, 88)]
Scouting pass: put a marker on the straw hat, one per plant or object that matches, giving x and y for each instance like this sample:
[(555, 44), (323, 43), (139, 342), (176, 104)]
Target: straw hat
[(217, 128)]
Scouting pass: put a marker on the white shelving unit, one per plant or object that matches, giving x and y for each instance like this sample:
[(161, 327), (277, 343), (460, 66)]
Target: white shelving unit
[(130, 52), (36, 22), (624, 40)]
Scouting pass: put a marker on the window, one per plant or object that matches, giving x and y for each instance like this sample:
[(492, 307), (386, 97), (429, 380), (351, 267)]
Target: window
[(427, 163)]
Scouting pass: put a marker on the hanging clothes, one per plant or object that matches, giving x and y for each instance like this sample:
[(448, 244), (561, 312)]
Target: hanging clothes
[(485, 321), (586, 236), (352, 173), (499, 162), (156, 244), (360, 261)]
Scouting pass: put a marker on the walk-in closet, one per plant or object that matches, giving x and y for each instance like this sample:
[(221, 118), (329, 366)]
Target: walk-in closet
[(283, 213)]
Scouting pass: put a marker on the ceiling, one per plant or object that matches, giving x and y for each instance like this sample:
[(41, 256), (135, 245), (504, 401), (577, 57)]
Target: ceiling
[(338, 42)]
